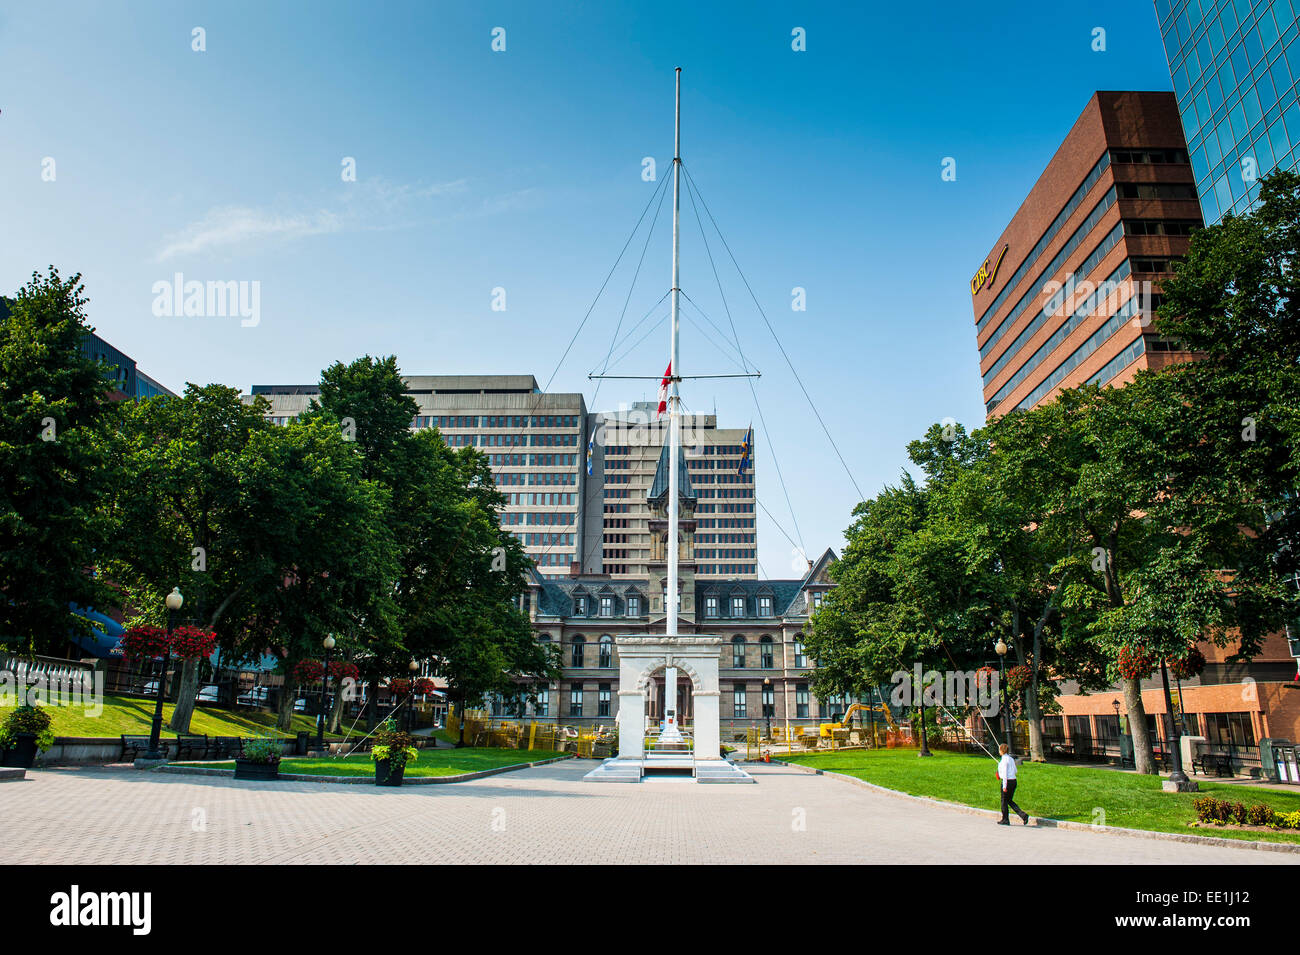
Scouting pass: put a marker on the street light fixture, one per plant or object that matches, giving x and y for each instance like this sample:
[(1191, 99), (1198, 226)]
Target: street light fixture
[(328, 644), (414, 667), (1119, 732), (1001, 648), (173, 602)]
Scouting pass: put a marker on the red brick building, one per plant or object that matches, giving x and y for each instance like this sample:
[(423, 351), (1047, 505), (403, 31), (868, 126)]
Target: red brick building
[(1064, 298), (1058, 301)]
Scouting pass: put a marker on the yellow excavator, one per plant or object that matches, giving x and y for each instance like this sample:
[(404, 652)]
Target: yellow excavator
[(826, 728)]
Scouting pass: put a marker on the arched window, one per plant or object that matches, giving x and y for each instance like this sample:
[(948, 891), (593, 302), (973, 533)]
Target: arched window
[(606, 652), (579, 647), (737, 651), (765, 653)]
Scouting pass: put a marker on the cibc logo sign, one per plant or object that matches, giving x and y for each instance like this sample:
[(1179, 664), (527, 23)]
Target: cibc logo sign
[(984, 277), (76, 908)]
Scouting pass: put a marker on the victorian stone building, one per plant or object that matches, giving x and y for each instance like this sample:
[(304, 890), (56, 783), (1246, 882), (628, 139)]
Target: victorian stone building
[(763, 669)]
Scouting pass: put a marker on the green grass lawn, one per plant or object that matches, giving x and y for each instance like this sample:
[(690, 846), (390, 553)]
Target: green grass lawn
[(134, 716), (1071, 793), (431, 762)]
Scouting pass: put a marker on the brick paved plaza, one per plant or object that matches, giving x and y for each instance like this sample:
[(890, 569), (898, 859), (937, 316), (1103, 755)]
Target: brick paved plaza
[(545, 815)]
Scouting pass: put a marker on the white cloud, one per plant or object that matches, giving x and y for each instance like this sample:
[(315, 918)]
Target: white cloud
[(371, 204), (230, 227)]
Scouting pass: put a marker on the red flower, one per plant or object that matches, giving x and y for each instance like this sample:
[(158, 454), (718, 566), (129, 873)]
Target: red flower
[(308, 671), (144, 642), (1135, 663), (193, 643), (1188, 665), (1018, 677), (343, 670)]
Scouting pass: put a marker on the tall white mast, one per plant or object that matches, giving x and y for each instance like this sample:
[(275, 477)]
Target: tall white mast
[(674, 400), (671, 732)]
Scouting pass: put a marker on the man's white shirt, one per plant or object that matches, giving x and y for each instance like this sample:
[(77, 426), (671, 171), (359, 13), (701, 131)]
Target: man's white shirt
[(1006, 769)]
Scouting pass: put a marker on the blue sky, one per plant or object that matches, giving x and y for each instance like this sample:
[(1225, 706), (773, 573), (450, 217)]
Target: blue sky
[(522, 170)]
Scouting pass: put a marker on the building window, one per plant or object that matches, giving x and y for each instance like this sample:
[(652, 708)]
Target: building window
[(737, 651), (1229, 729), (602, 700), (738, 706), (575, 699), (817, 599), (634, 606), (769, 700), (579, 647), (543, 705), (607, 606), (765, 653), (581, 605), (679, 600), (606, 652), (800, 660), (737, 606), (801, 701), (710, 606), (765, 606)]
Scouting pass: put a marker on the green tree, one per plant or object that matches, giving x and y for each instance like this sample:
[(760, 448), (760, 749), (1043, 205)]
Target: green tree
[(53, 401)]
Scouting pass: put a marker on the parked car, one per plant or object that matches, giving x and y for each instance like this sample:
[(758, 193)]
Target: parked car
[(261, 696), (208, 694)]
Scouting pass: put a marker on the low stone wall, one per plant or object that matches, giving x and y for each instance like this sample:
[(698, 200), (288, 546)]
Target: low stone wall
[(102, 750)]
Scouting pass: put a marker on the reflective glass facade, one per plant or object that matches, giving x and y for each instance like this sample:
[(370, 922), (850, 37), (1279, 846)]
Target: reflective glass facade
[(1235, 66)]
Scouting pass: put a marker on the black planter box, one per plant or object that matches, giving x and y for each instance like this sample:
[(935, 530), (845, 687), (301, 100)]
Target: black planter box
[(247, 769), (384, 776), (22, 754)]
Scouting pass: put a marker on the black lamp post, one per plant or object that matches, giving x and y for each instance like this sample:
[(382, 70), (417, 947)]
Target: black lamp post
[(1001, 648), (414, 668), (173, 601), (1119, 732), (767, 707), (328, 644), (1177, 777)]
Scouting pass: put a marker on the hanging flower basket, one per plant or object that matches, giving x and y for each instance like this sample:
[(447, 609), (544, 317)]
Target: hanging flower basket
[(343, 670), (985, 677), (144, 642), (308, 671), (1189, 664), (193, 643), (1018, 677), (1135, 663)]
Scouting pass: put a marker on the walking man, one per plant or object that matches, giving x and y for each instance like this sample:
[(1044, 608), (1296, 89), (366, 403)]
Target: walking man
[(1007, 774)]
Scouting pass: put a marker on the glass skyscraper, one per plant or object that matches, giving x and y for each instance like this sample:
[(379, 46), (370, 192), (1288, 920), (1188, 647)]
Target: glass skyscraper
[(1235, 66)]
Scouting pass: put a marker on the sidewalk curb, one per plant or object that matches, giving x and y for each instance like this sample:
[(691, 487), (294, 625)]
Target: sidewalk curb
[(355, 780), (1044, 823)]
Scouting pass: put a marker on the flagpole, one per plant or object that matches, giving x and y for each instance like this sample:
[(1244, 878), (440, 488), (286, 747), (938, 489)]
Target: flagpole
[(671, 731)]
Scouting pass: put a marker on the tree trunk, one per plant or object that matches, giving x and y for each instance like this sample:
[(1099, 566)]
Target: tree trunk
[(336, 710), (187, 690), (1137, 727), (1034, 718), (284, 721)]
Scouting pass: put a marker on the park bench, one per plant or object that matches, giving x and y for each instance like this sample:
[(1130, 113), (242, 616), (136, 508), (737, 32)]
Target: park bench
[(191, 745), (226, 747), (136, 746)]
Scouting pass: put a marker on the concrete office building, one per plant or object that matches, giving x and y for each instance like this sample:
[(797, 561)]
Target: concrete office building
[(537, 444), (1235, 66), (534, 443), (1065, 294), (625, 456)]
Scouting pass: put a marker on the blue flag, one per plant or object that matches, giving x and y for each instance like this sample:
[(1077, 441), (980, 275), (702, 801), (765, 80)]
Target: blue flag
[(744, 450), (591, 448)]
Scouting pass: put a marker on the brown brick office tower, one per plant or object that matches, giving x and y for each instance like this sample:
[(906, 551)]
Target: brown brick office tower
[(1055, 306), (1056, 301)]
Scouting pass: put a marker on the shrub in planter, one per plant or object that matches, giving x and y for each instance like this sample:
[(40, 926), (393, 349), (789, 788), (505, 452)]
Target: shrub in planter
[(25, 731), (393, 749), (260, 759)]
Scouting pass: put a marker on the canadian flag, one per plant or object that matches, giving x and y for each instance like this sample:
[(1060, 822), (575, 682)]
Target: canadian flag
[(663, 389)]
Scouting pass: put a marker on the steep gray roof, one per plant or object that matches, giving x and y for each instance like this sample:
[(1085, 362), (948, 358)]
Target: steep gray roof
[(659, 486)]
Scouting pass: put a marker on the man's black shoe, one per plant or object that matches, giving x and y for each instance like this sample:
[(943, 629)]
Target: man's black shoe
[(1024, 817), (1003, 822)]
